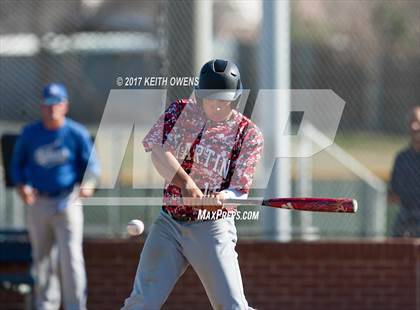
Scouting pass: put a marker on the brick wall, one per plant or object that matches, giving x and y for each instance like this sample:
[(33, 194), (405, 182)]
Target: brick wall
[(10, 300), (317, 275)]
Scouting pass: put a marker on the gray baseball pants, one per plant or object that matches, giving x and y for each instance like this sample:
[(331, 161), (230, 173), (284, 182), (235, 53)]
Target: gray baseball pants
[(171, 246), (56, 233)]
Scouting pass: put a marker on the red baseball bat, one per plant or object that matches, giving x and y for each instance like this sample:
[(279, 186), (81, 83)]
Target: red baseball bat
[(346, 205)]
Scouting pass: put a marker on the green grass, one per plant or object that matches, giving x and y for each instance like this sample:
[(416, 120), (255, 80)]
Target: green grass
[(370, 141)]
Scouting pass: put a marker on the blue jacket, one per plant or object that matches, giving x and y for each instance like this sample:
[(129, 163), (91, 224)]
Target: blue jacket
[(53, 160)]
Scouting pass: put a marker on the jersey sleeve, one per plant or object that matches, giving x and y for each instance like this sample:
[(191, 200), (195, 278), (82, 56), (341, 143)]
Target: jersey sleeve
[(244, 169), (159, 132), (19, 160)]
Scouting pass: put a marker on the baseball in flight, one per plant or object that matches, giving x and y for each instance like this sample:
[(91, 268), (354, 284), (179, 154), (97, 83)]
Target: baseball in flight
[(135, 228)]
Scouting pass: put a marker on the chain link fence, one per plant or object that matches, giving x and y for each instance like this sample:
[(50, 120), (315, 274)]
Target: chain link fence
[(372, 62)]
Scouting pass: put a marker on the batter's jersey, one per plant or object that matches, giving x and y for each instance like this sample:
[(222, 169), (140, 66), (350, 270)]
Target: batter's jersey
[(216, 155)]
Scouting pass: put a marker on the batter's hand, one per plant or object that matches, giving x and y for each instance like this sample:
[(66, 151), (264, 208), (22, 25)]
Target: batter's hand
[(192, 195), (213, 202), (27, 194)]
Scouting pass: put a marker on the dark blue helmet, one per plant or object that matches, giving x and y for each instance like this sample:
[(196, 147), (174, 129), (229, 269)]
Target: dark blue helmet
[(219, 79)]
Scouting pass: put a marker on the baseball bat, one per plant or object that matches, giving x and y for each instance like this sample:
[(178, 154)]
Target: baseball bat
[(346, 205)]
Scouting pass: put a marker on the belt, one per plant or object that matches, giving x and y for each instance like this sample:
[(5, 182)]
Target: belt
[(55, 194), (179, 218)]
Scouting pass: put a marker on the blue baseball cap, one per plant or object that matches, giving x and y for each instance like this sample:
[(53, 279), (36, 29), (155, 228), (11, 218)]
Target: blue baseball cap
[(54, 93)]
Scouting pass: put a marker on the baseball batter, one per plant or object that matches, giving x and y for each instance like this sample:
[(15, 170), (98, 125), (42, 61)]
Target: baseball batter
[(49, 162), (204, 149)]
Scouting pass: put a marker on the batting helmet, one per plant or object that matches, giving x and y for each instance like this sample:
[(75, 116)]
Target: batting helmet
[(219, 79)]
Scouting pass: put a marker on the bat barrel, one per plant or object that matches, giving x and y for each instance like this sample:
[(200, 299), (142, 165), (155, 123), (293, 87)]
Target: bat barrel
[(346, 205)]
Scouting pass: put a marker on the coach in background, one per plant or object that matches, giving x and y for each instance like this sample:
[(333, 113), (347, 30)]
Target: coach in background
[(50, 160), (405, 183)]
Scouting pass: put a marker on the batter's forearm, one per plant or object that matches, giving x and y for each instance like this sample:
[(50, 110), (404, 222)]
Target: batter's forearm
[(169, 168)]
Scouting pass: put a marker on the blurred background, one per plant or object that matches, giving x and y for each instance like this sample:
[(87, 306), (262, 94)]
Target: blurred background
[(367, 52)]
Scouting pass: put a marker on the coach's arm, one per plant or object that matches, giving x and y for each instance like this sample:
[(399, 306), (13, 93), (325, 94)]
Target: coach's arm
[(17, 169)]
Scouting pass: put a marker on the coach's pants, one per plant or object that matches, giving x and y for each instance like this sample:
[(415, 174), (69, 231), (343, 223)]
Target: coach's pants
[(56, 233), (171, 246)]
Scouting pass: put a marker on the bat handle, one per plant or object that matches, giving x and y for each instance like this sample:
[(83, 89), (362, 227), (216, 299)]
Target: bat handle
[(248, 202)]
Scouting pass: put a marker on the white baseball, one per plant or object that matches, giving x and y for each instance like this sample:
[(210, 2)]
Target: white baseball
[(135, 228)]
